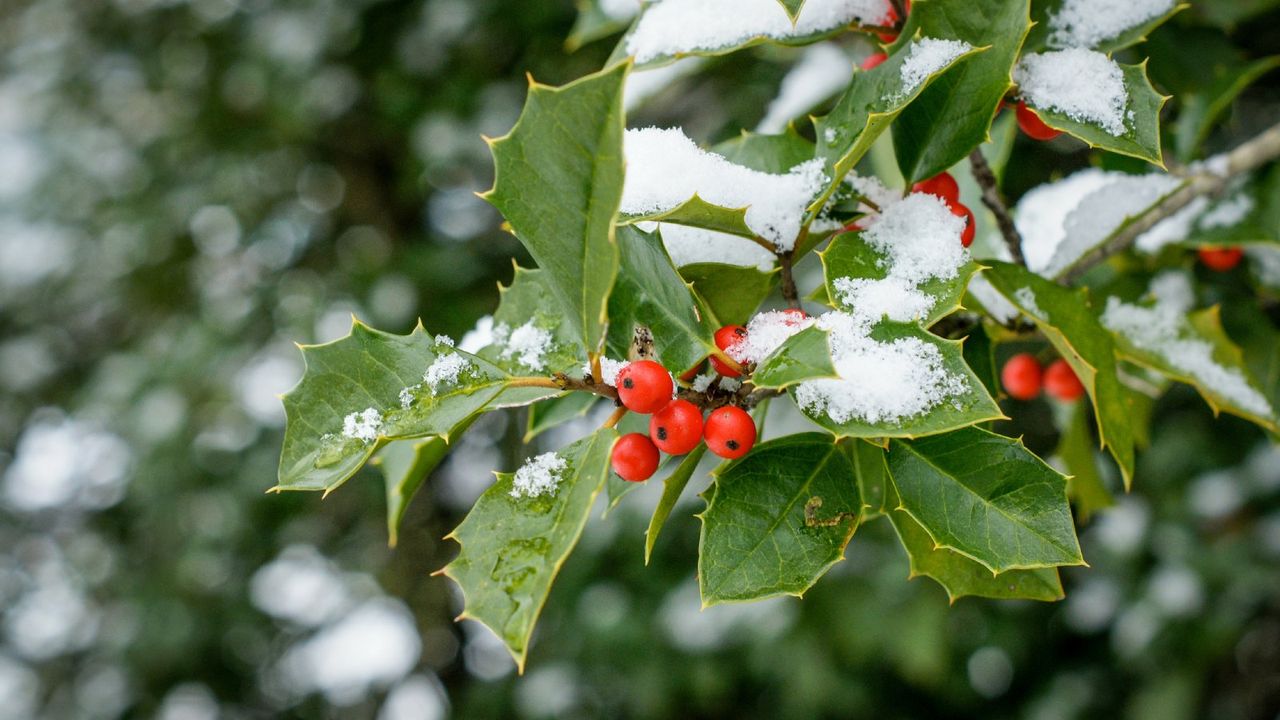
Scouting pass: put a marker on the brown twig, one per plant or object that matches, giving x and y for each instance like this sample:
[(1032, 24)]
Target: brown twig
[(1208, 181), (618, 413), (994, 200), (788, 283)]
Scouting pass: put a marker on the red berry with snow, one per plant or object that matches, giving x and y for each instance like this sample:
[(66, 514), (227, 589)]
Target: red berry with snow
[(1021, 377), (644, 386), (794, 316), (726, 337), (635, 458), (677, 428), (1220, 259), (1060, 381), (970, 224), (730, 432), (942, 185), (874, 60), (890, 20), (1032, 125)]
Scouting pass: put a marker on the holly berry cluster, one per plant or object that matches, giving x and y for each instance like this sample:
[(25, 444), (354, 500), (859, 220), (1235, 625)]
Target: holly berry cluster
[(676, 426), (1024, 378)]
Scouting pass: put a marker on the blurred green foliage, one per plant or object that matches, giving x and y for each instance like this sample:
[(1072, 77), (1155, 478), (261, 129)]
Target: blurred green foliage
[(186, 188)]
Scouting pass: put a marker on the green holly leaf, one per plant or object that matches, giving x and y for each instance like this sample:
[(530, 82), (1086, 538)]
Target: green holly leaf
[(556, 411), (960, 576), (804, 356), (405, 465), (792, 7), (672, 487), (776, 520), (651, 293), (986, 497), (733, 293), (954, 114), (1053, 29), (866, 109), (850, 257), (1196, 352), (1067, 320), (970, 406), (696, 212), (374, 381), (1141, 136), (513, 547), (558, 182), (1076, 450)]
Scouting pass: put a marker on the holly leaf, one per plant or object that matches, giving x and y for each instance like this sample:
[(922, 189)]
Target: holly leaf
[(954, 114), (379, 378), (1076, 450), (803, 356), (961, 577), (405, 465), (513, 547), (732, 293), (672, 487), (1199, 354), (556, 411), (849, 256), (1067, 320), (776, 520), (1053, 31), (866, 109), (1141, 136), (986, 497), (558, 182), (651, 293), (696, 212)]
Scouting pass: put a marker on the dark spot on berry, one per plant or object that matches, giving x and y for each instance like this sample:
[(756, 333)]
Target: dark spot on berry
[(732, 444), (662, 433), (628, 383), (740, 332)]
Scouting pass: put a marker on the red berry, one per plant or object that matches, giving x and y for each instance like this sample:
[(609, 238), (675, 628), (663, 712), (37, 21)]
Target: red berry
[(1032, 125), (1061, 382), (874, 60), (1220, 259), (727, 337), (677, 428), (970, 224), (1021, 377), (635, 458), (644, 386), (730, 432), (941, 185)]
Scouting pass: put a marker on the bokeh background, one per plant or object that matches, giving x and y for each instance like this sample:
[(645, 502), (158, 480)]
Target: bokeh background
[(188, 187)]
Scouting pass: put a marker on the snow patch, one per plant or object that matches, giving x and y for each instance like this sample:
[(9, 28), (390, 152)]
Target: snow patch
[(765, 333), (363, 425), (926, 57), (879, 382), (609, 368), (443, 372), (527, 345), (540, 475)]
